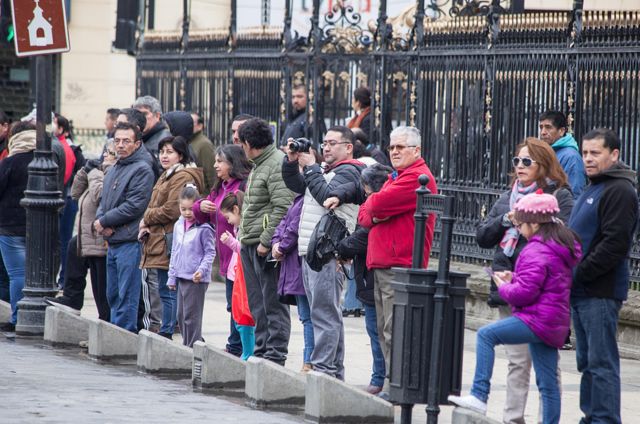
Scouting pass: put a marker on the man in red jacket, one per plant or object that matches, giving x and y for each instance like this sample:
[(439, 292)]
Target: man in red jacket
[(389, 216)]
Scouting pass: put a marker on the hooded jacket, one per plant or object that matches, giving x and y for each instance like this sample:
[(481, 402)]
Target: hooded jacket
[(87, 190), (267, 199), (286, 234), (491, 231), (163, 212), (539, 292), (193, 250), (181, 125), (317, 184), (391, 241), (568, 154), (125, 196), (605, 217)]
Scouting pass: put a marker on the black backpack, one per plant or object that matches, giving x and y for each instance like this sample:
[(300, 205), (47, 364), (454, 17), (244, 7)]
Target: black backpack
[(323, 245)]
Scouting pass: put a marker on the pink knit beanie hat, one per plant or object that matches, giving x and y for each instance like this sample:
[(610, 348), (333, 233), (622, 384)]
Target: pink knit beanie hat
[(537, 208)]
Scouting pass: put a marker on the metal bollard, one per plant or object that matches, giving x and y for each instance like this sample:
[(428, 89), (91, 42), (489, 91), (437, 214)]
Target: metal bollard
[(420, 372)]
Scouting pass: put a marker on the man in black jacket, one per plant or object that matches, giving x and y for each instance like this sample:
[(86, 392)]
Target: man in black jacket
[(605, 217), (126, 194), (324, 287), (298, 120), (155, 130)]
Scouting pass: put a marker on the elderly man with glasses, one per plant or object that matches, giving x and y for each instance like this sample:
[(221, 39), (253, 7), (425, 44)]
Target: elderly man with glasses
[(324, 288), (389, 216)]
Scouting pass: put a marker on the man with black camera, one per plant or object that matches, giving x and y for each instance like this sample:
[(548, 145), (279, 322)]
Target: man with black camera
[(316, 183)]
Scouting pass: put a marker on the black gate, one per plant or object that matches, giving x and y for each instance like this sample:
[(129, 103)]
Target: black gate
[(473, 81)]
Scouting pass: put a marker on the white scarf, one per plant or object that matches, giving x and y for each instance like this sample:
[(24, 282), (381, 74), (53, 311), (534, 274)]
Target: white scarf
[(23, 142)]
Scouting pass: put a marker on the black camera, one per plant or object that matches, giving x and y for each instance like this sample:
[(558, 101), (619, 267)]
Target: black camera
[(300, 145)]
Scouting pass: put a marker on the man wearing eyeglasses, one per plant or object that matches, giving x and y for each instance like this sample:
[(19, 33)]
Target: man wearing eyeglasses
[(126, 193), (389, 216), (325, 287)]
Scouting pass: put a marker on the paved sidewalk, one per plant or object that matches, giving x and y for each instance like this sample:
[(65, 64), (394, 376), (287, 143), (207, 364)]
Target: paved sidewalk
[(358, 363)]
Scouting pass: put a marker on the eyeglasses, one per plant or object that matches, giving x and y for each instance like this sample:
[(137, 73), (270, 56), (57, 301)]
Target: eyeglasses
[(332, 144), (398, 147), (526, 162), (123, 141)]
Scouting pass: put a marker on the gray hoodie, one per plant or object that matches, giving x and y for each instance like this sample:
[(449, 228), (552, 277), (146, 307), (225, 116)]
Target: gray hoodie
[(126, 194)]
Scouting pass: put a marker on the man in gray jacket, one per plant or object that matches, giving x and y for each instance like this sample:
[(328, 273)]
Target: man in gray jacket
[(126, 194)]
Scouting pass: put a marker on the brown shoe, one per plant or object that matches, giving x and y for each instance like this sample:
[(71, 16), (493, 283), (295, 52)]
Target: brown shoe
[(374, 390), (305, 369)]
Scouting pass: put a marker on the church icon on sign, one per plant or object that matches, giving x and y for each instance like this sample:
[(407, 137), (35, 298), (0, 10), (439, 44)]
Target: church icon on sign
[(40, 31)]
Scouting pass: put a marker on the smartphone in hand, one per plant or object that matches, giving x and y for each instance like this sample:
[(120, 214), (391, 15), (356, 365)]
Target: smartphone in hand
[(489, 271)]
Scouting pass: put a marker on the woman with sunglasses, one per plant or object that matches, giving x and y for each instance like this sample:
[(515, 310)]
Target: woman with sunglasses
[(535, 166)]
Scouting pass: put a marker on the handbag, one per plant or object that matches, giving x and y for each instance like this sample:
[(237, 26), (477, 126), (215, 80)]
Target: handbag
[(239, 302), (323, 244), (168, 239)]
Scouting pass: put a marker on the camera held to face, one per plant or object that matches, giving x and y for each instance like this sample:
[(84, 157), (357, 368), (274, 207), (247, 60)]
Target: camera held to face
[(300, 145)]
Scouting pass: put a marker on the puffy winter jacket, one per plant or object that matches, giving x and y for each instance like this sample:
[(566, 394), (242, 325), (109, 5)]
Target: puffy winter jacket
[(491, 232), (87, 190), (317, 186), (286, 234), (539, 292), (193, 250), (125, 196), (391, 241), (163, 212), (267, 199)]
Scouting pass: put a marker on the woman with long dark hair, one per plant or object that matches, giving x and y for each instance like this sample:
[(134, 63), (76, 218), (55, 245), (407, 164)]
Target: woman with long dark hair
[(535, 166), (232, 169)]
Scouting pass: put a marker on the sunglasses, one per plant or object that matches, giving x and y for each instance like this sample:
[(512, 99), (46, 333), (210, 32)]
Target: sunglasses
[(398, 147), (526, 162)]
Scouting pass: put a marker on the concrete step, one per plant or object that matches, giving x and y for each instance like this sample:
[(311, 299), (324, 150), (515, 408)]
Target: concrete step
[(466, 416), (157, 354), (110, 341), (5, 312), (213, 367), (64, 327), (268, 384)]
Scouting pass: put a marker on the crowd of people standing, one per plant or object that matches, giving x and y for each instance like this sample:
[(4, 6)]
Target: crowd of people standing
[(163, 202)]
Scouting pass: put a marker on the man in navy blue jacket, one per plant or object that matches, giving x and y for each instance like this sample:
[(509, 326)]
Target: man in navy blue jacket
[(553, 131), (605, 217)]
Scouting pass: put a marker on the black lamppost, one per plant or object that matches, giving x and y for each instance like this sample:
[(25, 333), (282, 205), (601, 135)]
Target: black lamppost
[(42, 201)]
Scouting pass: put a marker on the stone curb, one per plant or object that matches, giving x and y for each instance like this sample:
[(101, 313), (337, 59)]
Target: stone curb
[(64, 327), (466, 416), (268, 384), (108, 340), (157, 354), (329, 400), (5, 312), (213, 367)]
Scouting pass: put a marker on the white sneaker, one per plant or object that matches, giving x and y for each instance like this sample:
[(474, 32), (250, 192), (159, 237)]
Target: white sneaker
[(469, 402)]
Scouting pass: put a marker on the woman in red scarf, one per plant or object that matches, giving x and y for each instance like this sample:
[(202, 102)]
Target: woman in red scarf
[(362, 105)]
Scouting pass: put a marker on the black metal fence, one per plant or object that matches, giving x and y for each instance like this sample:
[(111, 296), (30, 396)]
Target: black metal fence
[(473, 81)]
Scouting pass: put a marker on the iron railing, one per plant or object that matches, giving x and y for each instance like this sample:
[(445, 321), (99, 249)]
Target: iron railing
[(473, 81)]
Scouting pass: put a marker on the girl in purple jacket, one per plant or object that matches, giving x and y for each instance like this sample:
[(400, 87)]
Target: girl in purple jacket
[(538, 291), (193, 252)]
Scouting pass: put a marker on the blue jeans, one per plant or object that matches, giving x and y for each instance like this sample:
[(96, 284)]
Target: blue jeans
[(596, 323), (67, 222), (169, 302), (371, 321), (124, 282), (14, 251), (545, 361), (5, 283), (234, 342), (350, 301), (304, 313)]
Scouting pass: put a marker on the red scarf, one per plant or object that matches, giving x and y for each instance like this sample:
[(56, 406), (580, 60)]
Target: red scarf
[(355, 122)]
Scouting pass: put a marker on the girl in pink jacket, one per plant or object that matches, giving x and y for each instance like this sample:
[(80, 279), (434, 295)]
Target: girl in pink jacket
[(538, 291)]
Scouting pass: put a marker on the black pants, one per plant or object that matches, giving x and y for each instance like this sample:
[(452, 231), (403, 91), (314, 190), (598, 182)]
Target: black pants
[(75, 279)]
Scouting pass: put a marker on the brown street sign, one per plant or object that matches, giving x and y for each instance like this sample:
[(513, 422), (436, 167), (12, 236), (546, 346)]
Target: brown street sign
[(40, 27)]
